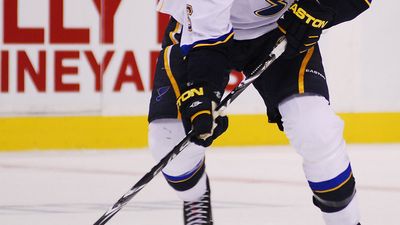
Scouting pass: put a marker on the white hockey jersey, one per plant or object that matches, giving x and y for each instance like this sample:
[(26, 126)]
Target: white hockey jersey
[(209, 22)]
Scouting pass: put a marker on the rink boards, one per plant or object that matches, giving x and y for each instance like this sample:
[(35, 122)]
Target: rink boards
[(131, 132)]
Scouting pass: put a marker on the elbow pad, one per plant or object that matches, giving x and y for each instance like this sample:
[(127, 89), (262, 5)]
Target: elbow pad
[(345, 10)]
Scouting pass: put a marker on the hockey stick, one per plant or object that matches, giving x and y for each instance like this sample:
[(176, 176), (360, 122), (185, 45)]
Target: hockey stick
[(226, 101)]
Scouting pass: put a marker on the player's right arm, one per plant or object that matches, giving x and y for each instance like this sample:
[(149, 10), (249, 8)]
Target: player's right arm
[(206, 36)]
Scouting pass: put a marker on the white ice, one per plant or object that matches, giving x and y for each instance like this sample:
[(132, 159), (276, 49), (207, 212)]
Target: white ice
[(250, 186)]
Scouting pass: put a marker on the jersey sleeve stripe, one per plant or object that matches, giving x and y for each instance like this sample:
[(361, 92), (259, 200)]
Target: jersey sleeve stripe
[(172, 34), (368, 2), (208, 42), (216, 43)]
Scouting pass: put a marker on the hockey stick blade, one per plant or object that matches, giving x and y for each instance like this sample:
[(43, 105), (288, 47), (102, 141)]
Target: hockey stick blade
[(226, 101)]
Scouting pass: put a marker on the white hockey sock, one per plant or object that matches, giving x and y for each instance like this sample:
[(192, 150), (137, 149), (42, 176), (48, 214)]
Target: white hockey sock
[(316, 133), (348, 216), (195, 192), (164, 134)]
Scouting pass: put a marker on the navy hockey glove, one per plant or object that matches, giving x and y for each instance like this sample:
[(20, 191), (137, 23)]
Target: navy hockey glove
[(302, 25), (197, 106)]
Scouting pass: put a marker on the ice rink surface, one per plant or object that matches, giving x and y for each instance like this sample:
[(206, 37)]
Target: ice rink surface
[(250, 186)]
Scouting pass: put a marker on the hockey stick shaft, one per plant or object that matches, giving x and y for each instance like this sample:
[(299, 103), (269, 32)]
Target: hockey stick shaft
[(275, 53), (226, 101)]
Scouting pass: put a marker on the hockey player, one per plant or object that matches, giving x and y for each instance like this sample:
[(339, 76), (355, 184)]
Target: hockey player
[(203, 42)]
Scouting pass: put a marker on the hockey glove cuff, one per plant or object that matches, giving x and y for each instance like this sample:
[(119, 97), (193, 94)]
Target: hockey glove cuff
[(302, 25)]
